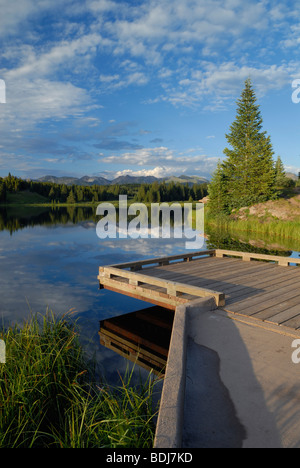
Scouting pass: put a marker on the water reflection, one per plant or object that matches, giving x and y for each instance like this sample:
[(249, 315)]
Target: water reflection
[(49, 258), (142, 337), (15, 218), (220, 239)]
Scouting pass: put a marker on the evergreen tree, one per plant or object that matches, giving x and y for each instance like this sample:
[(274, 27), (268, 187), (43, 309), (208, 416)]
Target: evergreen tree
[(63, 193), (71, 198), (249, 168), (79, 194), (2, 191), (52, 193), (218, 191), (251, 157), (141, 193), (280, 175)]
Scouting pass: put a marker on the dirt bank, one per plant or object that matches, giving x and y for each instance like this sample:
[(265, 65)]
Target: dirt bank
[(283, 209)]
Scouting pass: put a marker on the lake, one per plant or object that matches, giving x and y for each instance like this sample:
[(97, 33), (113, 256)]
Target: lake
[(50, 259)]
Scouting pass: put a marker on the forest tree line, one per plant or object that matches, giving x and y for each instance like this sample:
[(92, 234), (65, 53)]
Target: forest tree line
[(61, 193)]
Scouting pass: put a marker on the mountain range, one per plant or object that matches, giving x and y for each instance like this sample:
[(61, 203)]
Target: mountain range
[(122, 180)]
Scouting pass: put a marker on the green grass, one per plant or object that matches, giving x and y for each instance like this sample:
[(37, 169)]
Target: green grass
[(49, 396), (34, 199), (26, 198), (275, 229)]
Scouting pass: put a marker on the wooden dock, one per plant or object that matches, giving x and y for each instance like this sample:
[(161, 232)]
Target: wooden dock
[(264, 287)]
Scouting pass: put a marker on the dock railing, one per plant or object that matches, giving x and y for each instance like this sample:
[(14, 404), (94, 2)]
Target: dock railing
[(128, 278), (161, 291), (249, 256)]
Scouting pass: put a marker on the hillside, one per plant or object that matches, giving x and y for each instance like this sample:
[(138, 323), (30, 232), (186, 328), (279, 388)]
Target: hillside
[(25, 197), (187, 180), (83, 181), (282, 209), (122, 180)]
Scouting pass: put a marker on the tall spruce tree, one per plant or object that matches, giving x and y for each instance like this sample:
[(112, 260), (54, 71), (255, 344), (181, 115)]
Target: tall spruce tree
[(218, 191), (280, 174), (249, 168)]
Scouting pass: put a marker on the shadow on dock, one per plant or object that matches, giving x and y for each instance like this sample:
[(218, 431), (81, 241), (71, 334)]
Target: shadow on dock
[(225, 394)]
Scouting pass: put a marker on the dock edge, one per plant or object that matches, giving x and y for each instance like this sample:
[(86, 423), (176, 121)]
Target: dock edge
[(171, 412)]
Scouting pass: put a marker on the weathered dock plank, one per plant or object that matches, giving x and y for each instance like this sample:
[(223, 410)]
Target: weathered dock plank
[(280, 308)]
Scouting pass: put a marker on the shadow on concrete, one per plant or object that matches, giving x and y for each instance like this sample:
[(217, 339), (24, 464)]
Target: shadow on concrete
[(225, 404), (210, 416)]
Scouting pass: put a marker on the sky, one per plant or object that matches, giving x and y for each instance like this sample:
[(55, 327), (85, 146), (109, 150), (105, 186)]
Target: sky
[(115, 87)]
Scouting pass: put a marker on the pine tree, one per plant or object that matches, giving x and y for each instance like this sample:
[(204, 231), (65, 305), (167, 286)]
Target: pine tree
[(280, 175), (52, 193), (2, 191), (218, 191), (63, 193), (71, 198), (249, 168), (251, 156)]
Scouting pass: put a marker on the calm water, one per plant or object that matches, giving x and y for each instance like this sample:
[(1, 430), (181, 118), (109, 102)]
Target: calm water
[(50, 259)]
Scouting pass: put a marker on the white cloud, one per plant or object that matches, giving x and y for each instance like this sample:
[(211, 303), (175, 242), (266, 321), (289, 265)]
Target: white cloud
[(172, 24), (37, 63), (141, 157), (137, 78), (109, 78), (156, 172), (14, 16), (219, 83), (102, 6), (32, 101), (293, 37), (192, 53), (10, 16), (115, 82), (292, 169), (148, 34), (162, 159), (36, 87)]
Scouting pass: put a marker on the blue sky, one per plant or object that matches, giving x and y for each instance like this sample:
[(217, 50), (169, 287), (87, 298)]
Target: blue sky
[(112, 87)]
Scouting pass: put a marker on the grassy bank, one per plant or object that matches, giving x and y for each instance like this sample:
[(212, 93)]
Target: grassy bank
[(34, 199), (278, 218), (49, 396), (277, 229)]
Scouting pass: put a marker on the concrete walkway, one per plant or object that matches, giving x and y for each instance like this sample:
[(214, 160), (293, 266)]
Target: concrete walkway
[(236, 386)]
